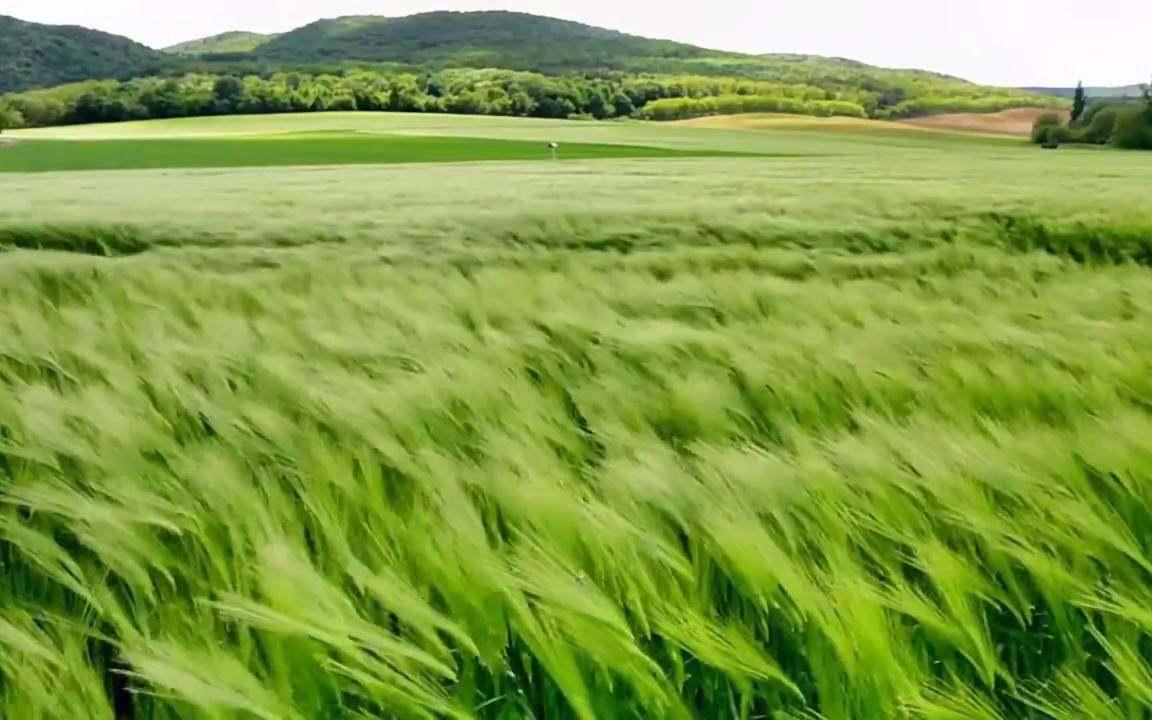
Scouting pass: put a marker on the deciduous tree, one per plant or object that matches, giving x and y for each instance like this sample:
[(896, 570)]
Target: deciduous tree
[(9, 118)]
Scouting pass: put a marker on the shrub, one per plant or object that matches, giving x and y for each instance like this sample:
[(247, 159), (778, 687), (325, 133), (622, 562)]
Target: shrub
[(342, 103), (1100, 128), (1133, 129), (1042, 126), (1095, 107), (1057, 135), (10, 118)]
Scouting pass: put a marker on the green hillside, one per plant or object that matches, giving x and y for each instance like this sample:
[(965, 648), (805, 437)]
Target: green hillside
[(521, 41), (229, 42), (428, 62), (492, 39), (34, 55)]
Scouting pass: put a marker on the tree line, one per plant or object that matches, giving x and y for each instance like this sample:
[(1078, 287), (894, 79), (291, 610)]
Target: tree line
[(685, 108), (463, 91), (1123, 123)]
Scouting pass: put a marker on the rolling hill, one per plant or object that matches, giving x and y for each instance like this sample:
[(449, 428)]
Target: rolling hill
[(476, 39), (229, 42), (520, 41), (34, 55)]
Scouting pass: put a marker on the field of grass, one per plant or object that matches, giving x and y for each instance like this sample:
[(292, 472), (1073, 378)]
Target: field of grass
[(807, 135), (856, 434), (299, 150)]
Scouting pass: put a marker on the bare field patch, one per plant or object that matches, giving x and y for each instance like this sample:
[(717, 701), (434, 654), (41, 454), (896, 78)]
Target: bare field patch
[(857, 131), (1017, 121)]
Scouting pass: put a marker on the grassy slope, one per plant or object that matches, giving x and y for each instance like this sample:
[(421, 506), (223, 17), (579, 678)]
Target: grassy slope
[(663, 438), (229, 42), (407, 123), (798, 134), (34, 55)]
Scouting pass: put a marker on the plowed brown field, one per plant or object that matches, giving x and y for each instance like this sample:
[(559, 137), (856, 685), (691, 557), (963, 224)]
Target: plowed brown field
[(1017, 121)]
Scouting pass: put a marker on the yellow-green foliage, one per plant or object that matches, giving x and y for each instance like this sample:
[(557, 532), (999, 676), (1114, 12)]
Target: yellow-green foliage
[(684, 108)]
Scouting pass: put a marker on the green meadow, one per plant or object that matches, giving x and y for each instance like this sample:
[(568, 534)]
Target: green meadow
[(795, 421), (300, 150)]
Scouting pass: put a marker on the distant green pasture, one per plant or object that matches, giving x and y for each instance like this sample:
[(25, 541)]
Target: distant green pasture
[(302, 150)]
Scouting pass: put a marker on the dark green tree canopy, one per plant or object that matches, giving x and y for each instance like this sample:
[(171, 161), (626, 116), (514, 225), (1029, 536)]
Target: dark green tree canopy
[(1079, 102), (464, 91), (33, 55), (36, 56)]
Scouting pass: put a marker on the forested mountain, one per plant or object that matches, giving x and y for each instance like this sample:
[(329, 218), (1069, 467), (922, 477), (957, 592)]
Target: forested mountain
[(510, 40), (34, 55), (460, 62), (229, 42), (518, 41)]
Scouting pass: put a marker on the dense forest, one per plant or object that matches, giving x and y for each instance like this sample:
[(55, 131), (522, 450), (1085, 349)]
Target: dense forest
[(432, 41), (36, 56), (511, 40), (443, 62), (867, 105), (460, 91), (1124, 123), (483, 92), (33, 55)]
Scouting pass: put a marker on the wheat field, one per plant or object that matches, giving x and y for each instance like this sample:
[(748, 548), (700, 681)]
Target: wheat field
[(852, 436)]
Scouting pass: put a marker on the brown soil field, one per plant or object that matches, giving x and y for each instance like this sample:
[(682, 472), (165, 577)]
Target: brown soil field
[(1007, 122)]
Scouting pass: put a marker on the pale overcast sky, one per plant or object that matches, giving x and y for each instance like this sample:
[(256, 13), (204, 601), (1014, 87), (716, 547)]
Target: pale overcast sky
[(1002, 42)]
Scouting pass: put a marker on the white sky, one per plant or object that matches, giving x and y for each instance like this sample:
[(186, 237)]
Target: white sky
[(1001, 42)]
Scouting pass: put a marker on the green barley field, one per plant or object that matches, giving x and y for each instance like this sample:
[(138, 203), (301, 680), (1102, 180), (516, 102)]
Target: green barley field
[(801, 421), (303, 150)]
